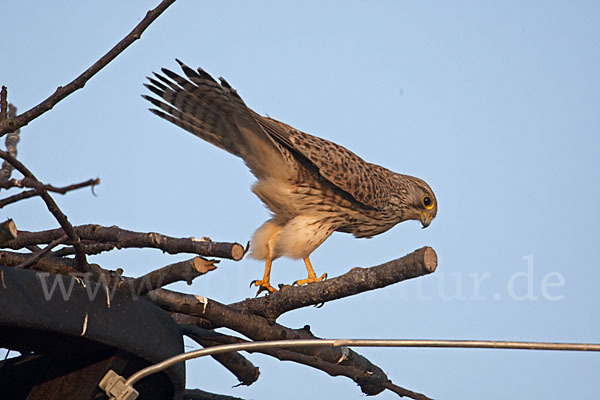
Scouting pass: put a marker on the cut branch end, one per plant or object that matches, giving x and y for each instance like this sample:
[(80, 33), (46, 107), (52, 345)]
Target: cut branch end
[(237, 252), (430, 259), (8, 231)]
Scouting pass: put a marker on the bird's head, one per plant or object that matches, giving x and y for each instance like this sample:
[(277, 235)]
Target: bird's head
[(416, 200)]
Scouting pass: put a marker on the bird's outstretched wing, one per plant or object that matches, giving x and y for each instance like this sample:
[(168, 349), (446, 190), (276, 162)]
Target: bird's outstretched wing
[(217, 114)]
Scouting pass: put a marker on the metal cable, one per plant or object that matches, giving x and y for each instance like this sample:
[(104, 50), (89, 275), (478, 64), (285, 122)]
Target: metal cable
[(472, 344)]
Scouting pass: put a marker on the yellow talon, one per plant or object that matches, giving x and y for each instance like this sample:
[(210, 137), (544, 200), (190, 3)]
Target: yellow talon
[(264, 283), (262, 286), (312, 277)]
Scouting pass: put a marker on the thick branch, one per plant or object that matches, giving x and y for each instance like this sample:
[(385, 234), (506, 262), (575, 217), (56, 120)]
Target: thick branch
[(54, 265), (357, 280), (61, 92), (61, 266), (235, 363), (82, 264), (368, 376), (128, 239), (186, 319), (182, 271)]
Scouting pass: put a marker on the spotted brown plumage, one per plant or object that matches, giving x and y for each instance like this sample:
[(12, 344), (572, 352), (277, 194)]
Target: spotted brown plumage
[(312, 186)]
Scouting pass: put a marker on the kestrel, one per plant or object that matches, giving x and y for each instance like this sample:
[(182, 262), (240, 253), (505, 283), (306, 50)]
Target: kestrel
[(313, 187)]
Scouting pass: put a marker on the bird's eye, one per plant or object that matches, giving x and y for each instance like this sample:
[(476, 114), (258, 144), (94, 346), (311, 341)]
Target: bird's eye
[(427, 202)]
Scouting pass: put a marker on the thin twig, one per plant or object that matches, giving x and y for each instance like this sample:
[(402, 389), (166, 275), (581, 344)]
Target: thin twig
[(82, 264), (36, 192), (12, 139), (3, 104), (42, 253), (35, 184), (61, 92)]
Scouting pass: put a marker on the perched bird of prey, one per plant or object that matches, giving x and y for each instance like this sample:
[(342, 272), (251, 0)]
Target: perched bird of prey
[(312, 186)]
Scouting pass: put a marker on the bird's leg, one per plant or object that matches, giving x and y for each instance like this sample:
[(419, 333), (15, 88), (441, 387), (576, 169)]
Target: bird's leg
[(265, 284), (312, 277)]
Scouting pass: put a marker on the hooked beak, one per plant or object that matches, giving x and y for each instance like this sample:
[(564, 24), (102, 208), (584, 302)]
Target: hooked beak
[(425, 220)]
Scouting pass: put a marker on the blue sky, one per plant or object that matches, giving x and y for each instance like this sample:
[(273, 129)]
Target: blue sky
[(495, 104)]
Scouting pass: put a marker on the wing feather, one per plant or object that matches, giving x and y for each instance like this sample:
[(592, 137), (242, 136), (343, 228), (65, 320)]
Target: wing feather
[(367, 183), (216, 113)]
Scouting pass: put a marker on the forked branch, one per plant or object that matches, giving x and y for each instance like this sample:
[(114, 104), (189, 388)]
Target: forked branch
[(67, 228)]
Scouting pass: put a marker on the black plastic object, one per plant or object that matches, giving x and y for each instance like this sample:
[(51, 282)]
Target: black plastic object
[(71, 331)]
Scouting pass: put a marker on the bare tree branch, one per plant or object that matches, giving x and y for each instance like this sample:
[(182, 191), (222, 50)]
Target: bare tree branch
[(182, 271), (43, 252), (90, 248), (31, 183), (3, 104), (11, 124), (128, 239), (82, 264), (37, 191), (400, 391), (357, 280), (12, 139), (186, 319), (54, 265)]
